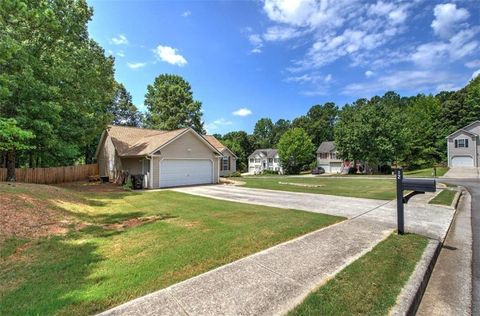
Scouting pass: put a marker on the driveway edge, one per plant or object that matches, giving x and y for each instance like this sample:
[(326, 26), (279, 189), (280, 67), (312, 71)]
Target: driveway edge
[(411, 295)]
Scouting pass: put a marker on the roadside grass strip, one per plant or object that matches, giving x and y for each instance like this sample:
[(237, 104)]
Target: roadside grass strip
[(444, 198), (371, 284)]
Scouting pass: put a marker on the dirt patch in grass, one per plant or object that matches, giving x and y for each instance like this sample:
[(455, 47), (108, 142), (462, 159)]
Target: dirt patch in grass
[(134, 222), (25, 216)]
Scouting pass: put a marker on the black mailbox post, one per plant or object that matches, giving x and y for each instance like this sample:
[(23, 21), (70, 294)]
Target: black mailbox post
[(416, 186)]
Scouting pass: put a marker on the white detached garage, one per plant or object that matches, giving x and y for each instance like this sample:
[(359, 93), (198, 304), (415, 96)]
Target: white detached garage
[(166, 158)]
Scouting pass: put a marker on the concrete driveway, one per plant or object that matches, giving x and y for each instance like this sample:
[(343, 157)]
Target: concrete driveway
[(462, 173), (421, 218)]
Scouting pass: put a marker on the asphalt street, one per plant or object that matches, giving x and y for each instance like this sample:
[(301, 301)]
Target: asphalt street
[(473, 186)]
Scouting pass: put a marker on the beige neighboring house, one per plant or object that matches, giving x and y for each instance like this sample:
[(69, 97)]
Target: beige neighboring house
[(264, 159), (327, 158), (228, 163), (463, 146), (165, 158)]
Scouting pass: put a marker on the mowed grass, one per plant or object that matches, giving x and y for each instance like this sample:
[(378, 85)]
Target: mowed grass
[(93, 268), (371, 284), (381, 189), (444, 198), (426, 173)]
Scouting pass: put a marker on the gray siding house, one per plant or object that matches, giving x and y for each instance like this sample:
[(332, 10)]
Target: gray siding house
[(463, 146), (327, 158)]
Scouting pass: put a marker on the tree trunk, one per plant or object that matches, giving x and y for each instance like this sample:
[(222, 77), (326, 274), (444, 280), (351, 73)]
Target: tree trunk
[(11, 166)]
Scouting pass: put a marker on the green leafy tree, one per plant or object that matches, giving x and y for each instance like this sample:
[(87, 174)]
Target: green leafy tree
[(279, 128), (373, 131), (421, 113), (295, 150), (263, 133), (170, 104), (55, 81), (13, 139), (122, 109), (319, 122), (240, 143)]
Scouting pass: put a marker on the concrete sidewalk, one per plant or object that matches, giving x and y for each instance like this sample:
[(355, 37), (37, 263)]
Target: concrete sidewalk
[(270, 282), (449, 290)]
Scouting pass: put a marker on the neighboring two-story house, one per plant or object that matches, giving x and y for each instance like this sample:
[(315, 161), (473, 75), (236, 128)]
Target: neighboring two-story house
[(327, 158), (463, 146), (264, 159)]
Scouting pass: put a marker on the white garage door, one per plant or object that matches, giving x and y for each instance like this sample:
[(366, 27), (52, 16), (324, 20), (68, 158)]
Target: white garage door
[(178, 172), (462, 161), (335, 167)]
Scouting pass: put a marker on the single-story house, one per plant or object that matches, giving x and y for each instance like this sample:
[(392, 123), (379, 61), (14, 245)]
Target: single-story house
[(463, 146), (165, 158), (264, 159), (327, 158)]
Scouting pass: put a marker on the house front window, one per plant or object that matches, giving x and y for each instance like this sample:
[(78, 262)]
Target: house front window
[(333, 155), (257, 160), (323, 155), (461, 143), (225, 165), (275, 160), (270, 160), (251, 160)]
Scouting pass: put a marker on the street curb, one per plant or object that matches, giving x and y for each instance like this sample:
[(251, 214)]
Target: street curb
[(411, 295)]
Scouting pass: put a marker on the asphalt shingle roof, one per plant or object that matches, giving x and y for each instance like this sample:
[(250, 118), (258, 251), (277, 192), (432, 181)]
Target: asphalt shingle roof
[(326, 147), (134, 141)]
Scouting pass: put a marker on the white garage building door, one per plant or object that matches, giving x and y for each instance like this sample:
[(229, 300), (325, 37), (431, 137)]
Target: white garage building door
[(335, 167), (462, 161), (178, 172)]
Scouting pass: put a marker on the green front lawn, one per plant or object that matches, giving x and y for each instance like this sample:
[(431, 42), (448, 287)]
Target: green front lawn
[(98, 264), (426, 173), (382, 189), (444, 198), (371, 284)]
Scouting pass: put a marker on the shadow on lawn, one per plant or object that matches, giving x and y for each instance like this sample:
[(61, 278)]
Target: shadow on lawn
[(47, 276)]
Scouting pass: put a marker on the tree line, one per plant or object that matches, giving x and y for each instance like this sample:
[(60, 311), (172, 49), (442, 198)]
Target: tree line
[(58, 93), (407, 131)]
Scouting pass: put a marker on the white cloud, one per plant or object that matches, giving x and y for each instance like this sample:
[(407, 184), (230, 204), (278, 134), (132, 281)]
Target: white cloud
[(473, 63), (186, 14), (242, 112), (215, 125), (328, 78), (121, 53), (169, 55), (447, 19), (368, 73), (475, 74), (462, 44), (136, 65), (119, 40), (414, 81), (278, 33), (257, 43)]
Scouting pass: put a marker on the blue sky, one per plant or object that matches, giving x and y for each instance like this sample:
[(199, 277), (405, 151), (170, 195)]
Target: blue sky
[(276, 58)]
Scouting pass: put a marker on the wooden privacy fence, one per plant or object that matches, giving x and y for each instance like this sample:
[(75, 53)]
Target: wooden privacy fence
[(52, 175)]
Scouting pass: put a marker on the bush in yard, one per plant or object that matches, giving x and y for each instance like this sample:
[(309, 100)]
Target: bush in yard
[(295, 149)]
